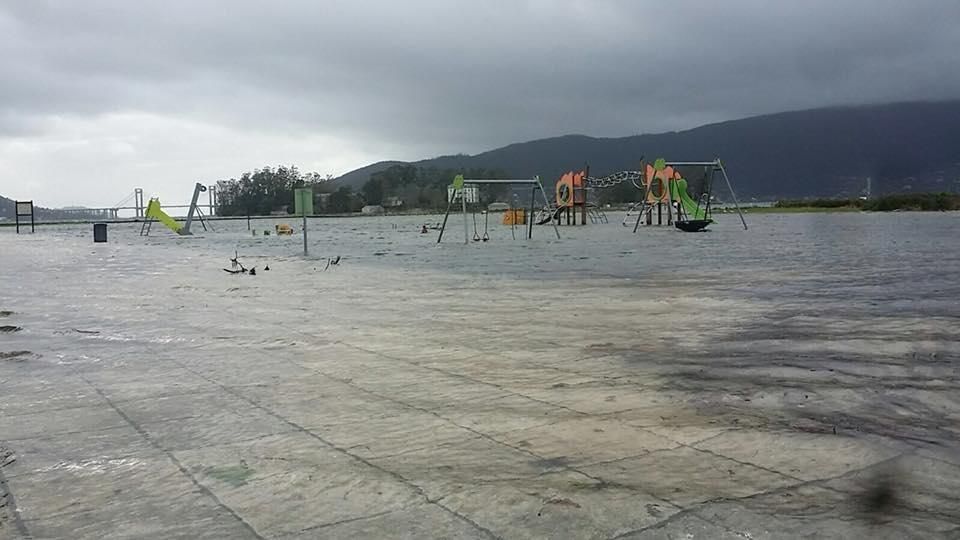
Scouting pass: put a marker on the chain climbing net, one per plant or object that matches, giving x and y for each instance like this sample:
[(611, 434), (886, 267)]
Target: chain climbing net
[(634, 177)]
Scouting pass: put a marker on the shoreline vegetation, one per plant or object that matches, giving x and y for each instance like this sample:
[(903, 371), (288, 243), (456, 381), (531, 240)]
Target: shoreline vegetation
[(901, 202)]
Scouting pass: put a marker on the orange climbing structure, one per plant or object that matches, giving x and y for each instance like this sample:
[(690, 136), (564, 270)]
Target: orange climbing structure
[(572, 196)]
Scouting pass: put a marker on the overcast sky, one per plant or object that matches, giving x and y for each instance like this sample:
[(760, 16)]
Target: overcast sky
[(99, 97)]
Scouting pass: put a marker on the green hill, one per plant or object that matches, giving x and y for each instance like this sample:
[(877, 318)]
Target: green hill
[(830, 152)]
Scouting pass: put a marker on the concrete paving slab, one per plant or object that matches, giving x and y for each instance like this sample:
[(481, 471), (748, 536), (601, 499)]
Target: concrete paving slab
[(446, 391), (502, 413), (413, 523), (186, 517), (400, 433), (688, 435), (445, 469), (256, 369), (511, 374), (808, 456), (299, 389), (557, 505), (685, 476), (49, 451), (24, 395), (309, 483), (215, 427), (317, 412), (814, 512), (585, 441), (129, 385), (181, 406), (600, 398), (917, 486), (684, 526), (73, 420), (70, 487)]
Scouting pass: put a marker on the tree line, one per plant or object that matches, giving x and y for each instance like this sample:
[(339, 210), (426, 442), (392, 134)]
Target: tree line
[(269, 190), (901, 201), (426, 187)]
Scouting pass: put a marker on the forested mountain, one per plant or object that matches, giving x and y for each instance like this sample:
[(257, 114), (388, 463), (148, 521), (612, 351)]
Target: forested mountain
[(826, 152)]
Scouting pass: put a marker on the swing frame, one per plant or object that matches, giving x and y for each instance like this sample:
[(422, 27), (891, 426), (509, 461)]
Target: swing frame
[(459, 183)]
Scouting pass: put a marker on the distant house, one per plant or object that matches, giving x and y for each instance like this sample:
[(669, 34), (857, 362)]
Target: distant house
[(372, 210), (392, 202)]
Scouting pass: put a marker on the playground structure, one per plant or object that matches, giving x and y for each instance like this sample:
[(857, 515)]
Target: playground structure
[(663, 187), (155, 213), (572, 199), (466, 191), (666, 188)]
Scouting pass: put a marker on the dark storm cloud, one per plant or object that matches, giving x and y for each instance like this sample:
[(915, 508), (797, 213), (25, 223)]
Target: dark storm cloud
[(422, 77), (482, 73)]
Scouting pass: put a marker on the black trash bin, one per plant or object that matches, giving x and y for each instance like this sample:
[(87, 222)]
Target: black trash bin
[(99, 232)]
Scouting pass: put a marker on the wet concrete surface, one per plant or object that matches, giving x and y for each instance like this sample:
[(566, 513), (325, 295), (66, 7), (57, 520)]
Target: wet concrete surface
[(378, 400)]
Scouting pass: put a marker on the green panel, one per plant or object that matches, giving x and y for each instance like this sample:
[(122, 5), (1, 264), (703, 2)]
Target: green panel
[(458, 181), (660, 164), (303, 201)]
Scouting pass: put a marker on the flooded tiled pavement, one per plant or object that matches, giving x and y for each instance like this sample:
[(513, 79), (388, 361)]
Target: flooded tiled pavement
[(602, 386)]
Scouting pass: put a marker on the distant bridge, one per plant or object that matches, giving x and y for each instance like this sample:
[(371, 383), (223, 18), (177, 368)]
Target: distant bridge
[(135, 202)]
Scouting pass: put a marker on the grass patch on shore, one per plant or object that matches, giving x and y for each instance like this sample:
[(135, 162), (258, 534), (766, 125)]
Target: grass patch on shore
[(924, 202)]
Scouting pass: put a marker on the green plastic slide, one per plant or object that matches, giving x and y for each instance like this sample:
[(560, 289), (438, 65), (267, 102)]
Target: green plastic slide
[(154, 211), (690, 207)]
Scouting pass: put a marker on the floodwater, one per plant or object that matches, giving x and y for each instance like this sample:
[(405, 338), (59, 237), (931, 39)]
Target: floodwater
[(604, 384)]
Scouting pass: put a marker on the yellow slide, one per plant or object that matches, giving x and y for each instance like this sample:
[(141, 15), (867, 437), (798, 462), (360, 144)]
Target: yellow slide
[(154, 212)]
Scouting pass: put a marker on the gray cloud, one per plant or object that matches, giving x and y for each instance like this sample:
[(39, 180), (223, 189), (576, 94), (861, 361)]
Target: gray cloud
[(379, 80)]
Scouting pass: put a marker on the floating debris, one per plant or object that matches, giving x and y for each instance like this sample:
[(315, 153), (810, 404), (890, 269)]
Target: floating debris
[(236, 267)]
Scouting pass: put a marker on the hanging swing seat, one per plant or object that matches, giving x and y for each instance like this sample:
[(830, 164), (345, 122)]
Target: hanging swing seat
[(692, 225)]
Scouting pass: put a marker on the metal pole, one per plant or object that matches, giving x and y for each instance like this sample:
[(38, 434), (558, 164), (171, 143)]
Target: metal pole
[(670, 184), (304, 233), (546, 203), (443, 227), (583, 189), (734, 195), (463, 204), (646, 194), (533, 201), (193, 208)]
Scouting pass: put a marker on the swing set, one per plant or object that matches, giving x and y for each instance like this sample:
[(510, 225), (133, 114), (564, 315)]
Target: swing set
[(464, 189)]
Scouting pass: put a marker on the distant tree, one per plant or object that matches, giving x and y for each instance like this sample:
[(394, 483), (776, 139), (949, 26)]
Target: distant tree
[(373, 191), (342, 201), (265, 190)]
